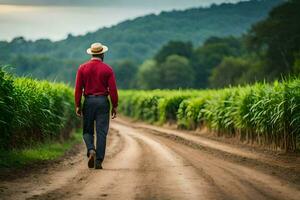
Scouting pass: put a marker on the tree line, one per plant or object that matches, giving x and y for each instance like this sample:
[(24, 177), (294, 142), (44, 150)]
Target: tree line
[(134, 40), (269, 50)]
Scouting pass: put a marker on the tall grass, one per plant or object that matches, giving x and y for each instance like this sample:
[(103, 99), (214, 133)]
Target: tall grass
[(265, 114), (34, 111)]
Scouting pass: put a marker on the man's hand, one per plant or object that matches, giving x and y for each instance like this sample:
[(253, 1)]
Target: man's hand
[(78, 111), (113, 113)]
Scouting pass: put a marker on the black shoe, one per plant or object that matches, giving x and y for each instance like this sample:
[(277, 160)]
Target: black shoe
[(92, 156), (98, 165)]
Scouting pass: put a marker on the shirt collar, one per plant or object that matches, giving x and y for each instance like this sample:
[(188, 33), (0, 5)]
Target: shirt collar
[(94, 58)]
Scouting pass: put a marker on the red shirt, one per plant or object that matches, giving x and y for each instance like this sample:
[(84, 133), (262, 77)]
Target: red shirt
[(96, 78)]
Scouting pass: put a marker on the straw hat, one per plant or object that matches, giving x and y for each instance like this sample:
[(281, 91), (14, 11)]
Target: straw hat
[(97, 48)]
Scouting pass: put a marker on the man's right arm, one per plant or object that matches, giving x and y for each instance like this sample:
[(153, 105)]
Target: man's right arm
[(78, 91)]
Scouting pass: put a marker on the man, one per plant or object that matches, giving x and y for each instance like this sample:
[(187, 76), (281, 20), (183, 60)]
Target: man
[(97, 79)]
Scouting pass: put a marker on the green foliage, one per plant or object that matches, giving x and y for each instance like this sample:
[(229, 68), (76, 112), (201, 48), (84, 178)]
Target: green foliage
[(211, 54), (142, 105), (189, 115), (231, 71), (267, 114), (219, 112), (278, 36), (125, 72), (272, 48), (184, 49), (176, 72), (296, 68), (6, 105), (43, 67), (148, 76), (188, 67), (169, 105), (292, 110), (34, 111)]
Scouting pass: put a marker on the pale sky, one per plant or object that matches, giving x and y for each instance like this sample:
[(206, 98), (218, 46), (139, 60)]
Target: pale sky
[(54, 19), (118, 3)]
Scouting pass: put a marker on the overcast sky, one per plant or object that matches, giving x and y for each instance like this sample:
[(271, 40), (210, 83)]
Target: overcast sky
[(55, 19), (137, 3)]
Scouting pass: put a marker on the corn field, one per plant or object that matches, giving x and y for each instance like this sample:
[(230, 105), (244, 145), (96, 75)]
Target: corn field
[(34, 111), (264, 114)]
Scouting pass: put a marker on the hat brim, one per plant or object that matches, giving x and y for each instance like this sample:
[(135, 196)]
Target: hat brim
[(89, 51)]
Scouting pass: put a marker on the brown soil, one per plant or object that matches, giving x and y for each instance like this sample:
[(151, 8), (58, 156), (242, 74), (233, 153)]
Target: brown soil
[(148, 162)]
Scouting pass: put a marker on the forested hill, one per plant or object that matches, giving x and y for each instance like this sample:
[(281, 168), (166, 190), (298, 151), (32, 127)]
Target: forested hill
[(136, 39)]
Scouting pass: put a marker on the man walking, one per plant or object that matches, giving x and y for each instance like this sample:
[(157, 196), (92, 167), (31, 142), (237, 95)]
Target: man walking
[(97, 80)]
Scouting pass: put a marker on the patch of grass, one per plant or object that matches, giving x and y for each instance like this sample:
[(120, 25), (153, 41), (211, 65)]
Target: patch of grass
[(42, 152)]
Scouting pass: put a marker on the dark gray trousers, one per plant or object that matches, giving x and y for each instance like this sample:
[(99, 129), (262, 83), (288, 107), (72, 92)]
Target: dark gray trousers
[(96, 109)]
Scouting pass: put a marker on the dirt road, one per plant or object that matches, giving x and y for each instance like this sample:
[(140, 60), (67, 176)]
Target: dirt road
[(146, 162)]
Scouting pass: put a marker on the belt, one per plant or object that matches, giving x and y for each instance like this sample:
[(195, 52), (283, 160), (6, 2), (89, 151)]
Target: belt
[(91, 96)]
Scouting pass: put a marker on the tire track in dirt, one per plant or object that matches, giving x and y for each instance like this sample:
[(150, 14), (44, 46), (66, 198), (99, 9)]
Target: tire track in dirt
[(165, 174), (284, 167)]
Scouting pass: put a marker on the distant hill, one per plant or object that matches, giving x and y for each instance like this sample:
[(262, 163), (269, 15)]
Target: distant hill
[(140, 38)]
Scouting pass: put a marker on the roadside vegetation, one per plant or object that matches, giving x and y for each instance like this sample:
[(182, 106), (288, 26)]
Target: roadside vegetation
[(265, 114), (33, 113), (49, 150)]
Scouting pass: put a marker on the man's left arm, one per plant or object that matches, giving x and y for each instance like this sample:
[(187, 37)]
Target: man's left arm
[(113, 92)]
